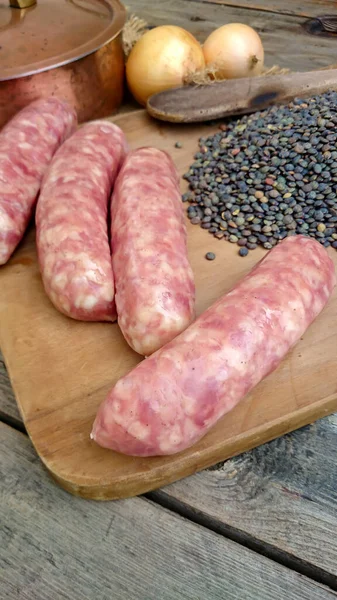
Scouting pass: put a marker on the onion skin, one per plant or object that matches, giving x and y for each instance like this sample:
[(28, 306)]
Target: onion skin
[(233, 51), (161, 59)]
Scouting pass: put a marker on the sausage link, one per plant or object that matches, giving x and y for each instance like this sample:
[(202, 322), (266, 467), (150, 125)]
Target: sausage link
[(71, 222), (27, 145), (170, 400), (154, 281)]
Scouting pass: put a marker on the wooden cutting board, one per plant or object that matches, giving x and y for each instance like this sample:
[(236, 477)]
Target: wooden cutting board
[(62, 369)]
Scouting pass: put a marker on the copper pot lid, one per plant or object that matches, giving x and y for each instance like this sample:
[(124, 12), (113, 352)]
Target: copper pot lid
[(37, 35)]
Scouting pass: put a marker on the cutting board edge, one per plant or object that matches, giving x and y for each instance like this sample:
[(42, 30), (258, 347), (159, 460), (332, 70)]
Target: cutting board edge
[(162, 475), (210, 451)]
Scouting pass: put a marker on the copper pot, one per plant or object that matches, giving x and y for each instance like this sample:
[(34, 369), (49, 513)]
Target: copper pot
[(66, 48)]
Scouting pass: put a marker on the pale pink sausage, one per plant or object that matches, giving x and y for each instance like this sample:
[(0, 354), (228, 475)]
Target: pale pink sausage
[(170, 400), (27, 145), (71, 222), (154, 281)]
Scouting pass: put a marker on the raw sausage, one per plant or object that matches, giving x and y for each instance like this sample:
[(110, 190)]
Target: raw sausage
[(27, 145), (71, 222), (170, 400), (154, 281)]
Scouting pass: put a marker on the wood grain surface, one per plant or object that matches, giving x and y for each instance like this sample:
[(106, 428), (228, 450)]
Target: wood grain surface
[(291, 480), (281, 497), (294, 8), (9, 411), (135, 550), (62, 369)]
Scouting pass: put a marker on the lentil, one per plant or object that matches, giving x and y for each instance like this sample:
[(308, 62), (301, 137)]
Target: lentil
[(233, 238), (269, 175), (210, 256)]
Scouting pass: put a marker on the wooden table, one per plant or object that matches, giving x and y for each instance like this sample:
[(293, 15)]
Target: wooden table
[(260, 526)]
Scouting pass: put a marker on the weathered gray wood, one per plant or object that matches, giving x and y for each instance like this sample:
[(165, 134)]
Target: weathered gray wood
[(60, 547), (283, 494), (285, 42), (8, 406), (299, 8)]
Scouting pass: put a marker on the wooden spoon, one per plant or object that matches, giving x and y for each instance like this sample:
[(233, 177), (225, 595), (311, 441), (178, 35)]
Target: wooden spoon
[(196, 103)]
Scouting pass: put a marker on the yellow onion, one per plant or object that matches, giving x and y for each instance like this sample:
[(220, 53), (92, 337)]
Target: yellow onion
[(161, 59), (234, 50)]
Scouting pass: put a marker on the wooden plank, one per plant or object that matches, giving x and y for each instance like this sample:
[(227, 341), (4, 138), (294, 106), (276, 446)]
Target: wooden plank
[(286, 43), (297, 490), (282, 494), (62, 369), (298, 8), (302, 493), (57, 546), (8, 406)]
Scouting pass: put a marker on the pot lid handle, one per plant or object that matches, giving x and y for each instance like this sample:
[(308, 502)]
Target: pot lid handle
[(21, 3)]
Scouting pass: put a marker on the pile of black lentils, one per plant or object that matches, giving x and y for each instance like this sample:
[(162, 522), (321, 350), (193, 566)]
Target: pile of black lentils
[(269, 175)]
